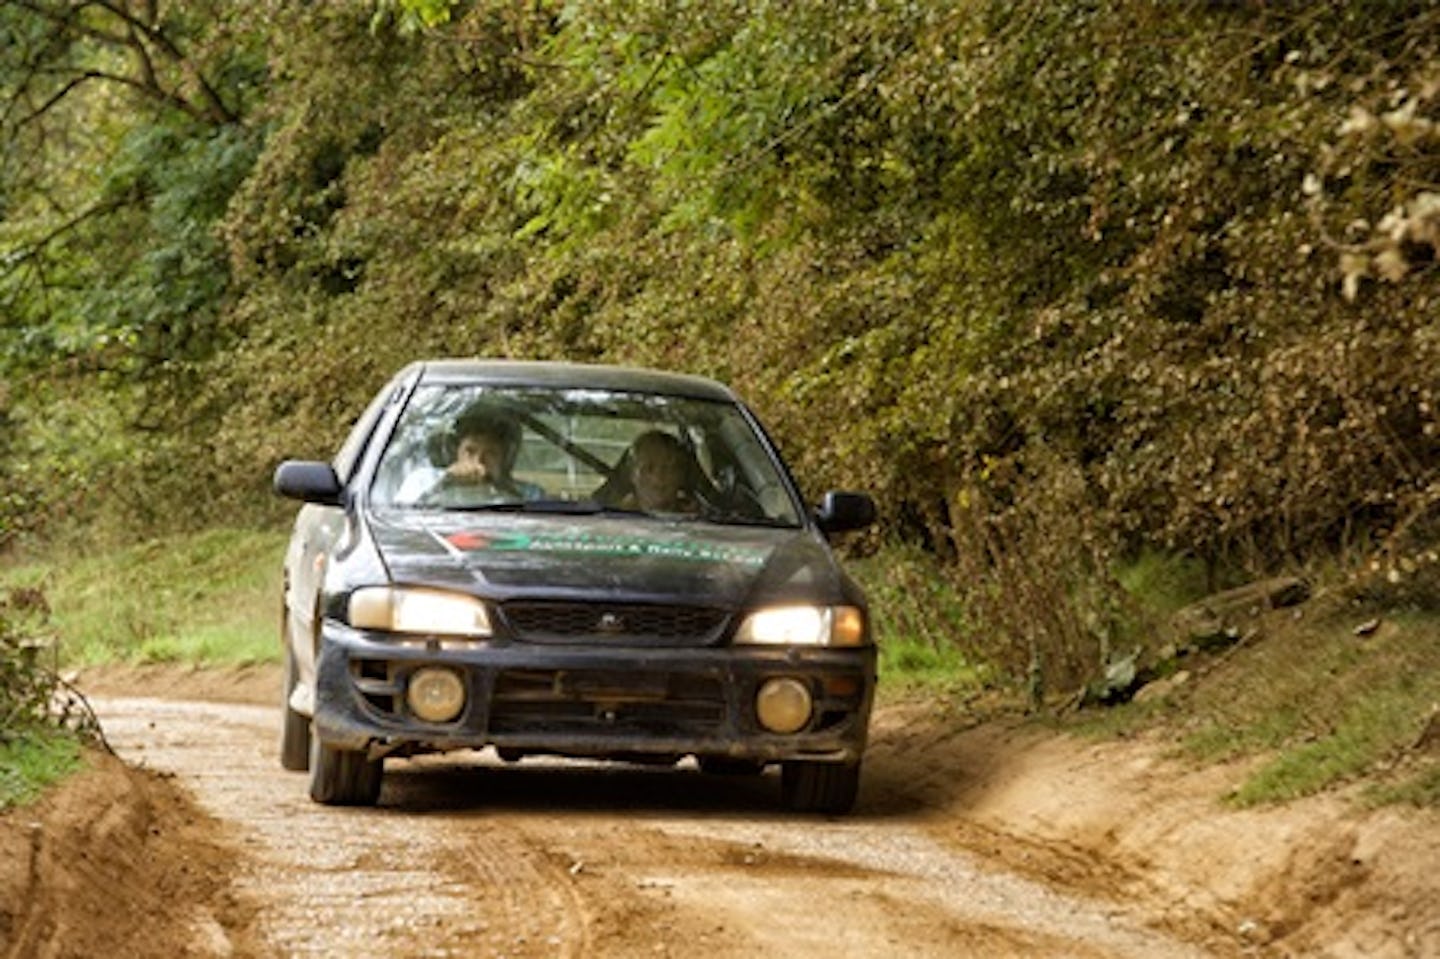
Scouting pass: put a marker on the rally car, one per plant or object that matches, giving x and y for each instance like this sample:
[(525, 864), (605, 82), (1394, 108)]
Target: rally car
[(572, 560)]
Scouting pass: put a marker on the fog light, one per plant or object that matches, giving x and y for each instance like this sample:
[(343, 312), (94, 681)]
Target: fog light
[(435, 695), (783, 705)]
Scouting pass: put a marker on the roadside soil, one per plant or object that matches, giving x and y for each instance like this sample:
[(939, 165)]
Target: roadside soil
[(997, 839)]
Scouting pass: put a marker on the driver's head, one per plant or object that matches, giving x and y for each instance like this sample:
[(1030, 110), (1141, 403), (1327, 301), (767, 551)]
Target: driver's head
[(485, 439)]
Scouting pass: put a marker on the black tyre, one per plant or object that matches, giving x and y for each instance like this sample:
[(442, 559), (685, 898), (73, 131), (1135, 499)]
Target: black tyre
[(294, 727), (730, 766), (819, 787), (343, 777)]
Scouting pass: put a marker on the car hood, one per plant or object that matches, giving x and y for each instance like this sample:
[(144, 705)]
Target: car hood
[(618, 558)]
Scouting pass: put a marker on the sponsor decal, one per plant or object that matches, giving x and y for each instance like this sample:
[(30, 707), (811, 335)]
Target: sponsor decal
[(467, 540), (598, 545)]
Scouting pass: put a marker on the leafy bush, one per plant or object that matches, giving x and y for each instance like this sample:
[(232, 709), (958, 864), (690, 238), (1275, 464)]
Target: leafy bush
[(41, 717), (919, 622), (27, 674)]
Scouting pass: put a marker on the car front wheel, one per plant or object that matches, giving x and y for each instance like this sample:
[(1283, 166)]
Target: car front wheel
[(819, 787), (343, 777), (294, 727)]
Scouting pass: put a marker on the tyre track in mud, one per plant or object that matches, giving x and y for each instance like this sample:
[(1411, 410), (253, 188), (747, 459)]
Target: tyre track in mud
[(471, 858)]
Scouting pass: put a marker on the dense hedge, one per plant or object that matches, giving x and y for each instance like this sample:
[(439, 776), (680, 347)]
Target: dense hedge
[(1054, 280)]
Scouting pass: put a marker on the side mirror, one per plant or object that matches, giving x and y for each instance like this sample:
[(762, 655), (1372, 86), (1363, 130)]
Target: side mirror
[(840, 511), (309, 482)]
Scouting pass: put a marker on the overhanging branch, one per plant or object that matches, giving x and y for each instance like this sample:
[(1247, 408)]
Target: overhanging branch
[(139, 38), (34, 250)]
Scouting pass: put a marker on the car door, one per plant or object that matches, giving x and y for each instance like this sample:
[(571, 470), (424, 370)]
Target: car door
[(317, 530)]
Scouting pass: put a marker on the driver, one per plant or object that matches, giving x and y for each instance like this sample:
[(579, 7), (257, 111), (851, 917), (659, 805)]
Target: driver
[(486, 444)]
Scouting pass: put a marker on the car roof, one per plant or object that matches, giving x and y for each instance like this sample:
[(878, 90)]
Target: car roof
[(571, 376)]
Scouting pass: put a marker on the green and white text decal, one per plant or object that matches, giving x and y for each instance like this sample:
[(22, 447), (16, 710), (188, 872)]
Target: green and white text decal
[(599, 545)]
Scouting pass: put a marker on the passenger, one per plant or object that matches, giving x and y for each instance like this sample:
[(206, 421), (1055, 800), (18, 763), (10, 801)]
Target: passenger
[(485, 444), (664, 477)]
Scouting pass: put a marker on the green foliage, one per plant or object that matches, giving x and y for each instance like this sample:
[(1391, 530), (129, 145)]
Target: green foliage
[(27, 676), (907, 665), (122, 138), (414, 15), (1165, 582), (1310, 705), (1422, 789), (1062, 284), (919, 623), (1372, 727), (39, 740)]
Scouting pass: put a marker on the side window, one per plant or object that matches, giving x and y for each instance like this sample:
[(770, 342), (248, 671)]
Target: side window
[(354, 445)]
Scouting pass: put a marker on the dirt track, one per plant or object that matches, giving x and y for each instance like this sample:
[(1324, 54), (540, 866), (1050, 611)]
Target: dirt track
[(994, 839), (468, 857)]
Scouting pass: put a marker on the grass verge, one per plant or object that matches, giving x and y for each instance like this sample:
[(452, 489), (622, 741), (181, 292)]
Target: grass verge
[(211, 598), (30, 762), (1326, 707), (1320, 702)]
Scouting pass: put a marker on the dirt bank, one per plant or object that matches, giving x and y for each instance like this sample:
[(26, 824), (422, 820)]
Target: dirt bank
[(118, 862), (1323, 876)]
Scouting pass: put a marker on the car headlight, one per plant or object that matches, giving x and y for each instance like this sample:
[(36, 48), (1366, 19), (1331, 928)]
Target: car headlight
[(804, 626), (399, 609)]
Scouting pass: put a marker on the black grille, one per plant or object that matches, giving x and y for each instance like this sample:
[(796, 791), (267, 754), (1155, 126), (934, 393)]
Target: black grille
[(580, 701), (615, 623)]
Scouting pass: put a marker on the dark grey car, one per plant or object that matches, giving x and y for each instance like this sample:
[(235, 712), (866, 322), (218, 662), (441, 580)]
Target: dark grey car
[(543, 603)]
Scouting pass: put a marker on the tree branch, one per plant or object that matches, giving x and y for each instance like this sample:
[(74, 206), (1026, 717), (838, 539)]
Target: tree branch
[(154, 91), (35, 249), (147, 66), (139, 37), (216, 108)]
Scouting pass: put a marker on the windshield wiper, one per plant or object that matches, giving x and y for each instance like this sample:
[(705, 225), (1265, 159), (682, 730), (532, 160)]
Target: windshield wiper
[(564, 507), (569, 507), (504, 506), (745, 519)]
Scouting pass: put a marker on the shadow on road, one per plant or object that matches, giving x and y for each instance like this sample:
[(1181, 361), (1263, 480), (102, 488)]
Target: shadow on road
[(461, 782)]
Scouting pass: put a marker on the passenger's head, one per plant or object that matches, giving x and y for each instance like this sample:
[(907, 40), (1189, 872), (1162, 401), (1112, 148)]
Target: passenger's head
[(660, 472)]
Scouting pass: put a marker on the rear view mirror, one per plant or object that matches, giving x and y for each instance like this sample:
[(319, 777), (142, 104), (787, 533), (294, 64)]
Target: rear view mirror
[(309, 482), (840, 511)]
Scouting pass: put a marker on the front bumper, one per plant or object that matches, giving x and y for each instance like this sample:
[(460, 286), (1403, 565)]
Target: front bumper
[(591, 701)]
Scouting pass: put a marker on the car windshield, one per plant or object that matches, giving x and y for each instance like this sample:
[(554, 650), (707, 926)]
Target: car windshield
[(476, 447)]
